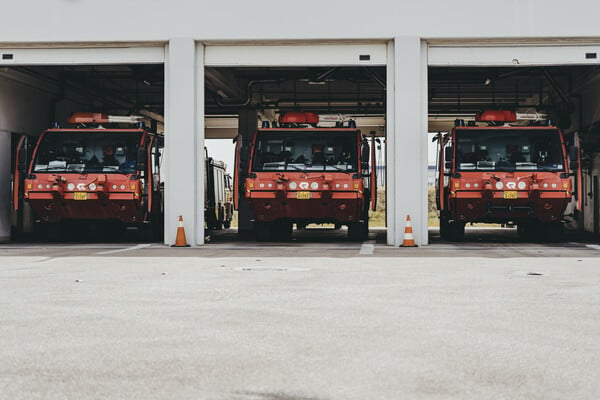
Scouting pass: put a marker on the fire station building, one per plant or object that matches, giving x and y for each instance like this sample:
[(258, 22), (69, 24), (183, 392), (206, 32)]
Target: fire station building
[(204, 71)]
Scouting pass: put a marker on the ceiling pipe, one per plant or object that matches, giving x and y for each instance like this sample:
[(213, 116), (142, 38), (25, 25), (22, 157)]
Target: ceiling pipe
[(248, 94)]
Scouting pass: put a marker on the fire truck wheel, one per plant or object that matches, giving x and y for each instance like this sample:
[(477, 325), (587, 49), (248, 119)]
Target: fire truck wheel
[(358, 231), (262, 231), (51, 232), (529, 231), (456, 231), (553, 232), (283, 230), (227, 224), (444, 224)]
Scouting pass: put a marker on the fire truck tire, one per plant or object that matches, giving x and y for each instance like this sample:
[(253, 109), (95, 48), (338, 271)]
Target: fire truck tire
[(530, 231), (263, 231), (227, 224), (283, 230), (553, 232), (456, 231), (51, 232), (444, 228), (358, 231)]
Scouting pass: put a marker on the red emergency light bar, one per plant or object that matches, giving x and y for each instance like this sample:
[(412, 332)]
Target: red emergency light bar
[(496, 116), (100, 118), (299, 118)]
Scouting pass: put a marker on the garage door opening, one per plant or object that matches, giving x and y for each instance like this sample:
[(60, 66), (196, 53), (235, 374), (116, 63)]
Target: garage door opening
[(72, 157), (508, 132), (241, 100)]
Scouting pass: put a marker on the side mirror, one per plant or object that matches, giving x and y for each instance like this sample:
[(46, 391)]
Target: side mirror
[(22, 165), (449, 154), (574, 157), (141, 159), (365, 152)]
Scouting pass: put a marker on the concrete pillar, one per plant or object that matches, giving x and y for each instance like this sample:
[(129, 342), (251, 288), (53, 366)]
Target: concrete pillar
[(184, 140), (247, 123), (5, 182), (407, 142)]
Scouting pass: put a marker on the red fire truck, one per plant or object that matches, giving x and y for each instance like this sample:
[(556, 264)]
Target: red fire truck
[(508, 174), (95, 171), (301, 173)]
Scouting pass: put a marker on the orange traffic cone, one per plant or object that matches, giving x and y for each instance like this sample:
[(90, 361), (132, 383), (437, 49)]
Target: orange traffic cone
[(409, 240), (180, 240)]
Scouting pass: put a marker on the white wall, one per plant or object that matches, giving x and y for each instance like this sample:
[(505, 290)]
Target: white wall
[(22, 110), (89, 20)]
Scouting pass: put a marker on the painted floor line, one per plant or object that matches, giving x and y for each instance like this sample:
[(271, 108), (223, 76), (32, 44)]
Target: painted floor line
[(137, 247)]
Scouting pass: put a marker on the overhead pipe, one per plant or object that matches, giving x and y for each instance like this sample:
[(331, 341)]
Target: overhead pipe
[(248, 93)]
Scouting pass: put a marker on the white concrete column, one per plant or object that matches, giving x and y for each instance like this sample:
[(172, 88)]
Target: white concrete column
[(408, 145), (390, 133), (182, 140), (5, 191)]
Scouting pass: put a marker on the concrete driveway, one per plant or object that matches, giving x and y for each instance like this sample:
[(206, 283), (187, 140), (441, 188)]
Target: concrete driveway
[(299, 328)]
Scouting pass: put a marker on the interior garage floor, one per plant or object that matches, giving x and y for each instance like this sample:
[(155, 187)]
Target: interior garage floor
[(297, 328)]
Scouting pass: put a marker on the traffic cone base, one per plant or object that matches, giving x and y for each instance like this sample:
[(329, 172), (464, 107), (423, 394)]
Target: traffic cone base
[(180, 240), (409, 240)]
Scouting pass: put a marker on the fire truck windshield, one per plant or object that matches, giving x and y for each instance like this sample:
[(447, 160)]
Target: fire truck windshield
[(306, 151), (87, 152), (509, 150)]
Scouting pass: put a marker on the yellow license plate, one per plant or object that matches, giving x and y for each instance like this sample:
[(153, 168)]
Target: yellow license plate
[(510, 194), (80, 196), (303, 195)]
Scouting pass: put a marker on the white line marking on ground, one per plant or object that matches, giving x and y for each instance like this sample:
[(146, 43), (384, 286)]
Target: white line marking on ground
[(593, 246), (367, 248), (139, 246)]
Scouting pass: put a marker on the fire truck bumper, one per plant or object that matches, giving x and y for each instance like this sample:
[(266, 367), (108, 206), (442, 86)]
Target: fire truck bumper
[(475, 207), (342, 209), (51, 210)]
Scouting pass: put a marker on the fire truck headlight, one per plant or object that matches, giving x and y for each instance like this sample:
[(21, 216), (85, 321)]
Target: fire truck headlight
[(262, 185), (554, 186), (122, 187), (499, 185), (48, 186), (92, 186), (545, 185), (40, 186), (345, 186), (71, 186), (314, 186), (114, 187), (522, 185), (293, 185)]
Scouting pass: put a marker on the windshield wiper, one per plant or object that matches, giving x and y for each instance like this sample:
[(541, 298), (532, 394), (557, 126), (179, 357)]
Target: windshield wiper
[(294, 167), (345, 170)]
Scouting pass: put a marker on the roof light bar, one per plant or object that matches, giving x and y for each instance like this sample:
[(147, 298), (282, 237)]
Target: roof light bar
[(100, 118)]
